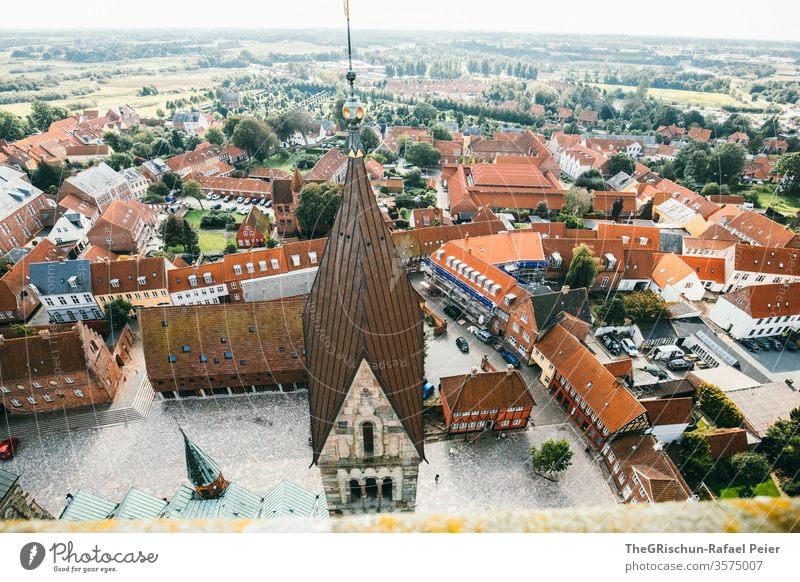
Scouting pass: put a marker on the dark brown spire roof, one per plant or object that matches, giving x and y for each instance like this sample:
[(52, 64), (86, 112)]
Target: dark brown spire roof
[(362, 307)]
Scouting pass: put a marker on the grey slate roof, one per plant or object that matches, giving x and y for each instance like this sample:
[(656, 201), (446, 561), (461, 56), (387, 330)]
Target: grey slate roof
[(53, 278), (97, 180), (7, 481), (548, 305), (138, 504), (87, 507)]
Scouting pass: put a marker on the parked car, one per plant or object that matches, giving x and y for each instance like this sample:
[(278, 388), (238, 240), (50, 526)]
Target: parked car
[(680, 364), (240, 199), (8, 447), (629, 347), (764, 343), (262, 202), (484, 336), (254, 201), (209, 195), (750, 345), (776, 343), (497, 344), (790, 345), (216, 206), (510, 358), (227, 198), (462, 344), (269, 204), (657, 372), (453, 311), (612, 344)]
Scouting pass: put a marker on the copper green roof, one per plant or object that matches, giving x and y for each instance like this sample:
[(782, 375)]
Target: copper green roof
[(201, 469)]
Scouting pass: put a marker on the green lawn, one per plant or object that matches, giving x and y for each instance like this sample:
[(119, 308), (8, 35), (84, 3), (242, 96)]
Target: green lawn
[(210, 240), (767, 489), (784, 204)]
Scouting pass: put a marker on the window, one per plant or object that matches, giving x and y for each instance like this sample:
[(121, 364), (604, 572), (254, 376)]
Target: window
[(312, 256), (203, 358), (228, 355), (78, 392), (237, 270), (192, 280), (296, 260), (251, 329), (16, 403), (262, 265), (114, 283), (68, 380), (604, 282), (368, 437), (517, 421), (31, 399), (187, 348), (250, 268), (172, 359), (141, 280), (47, 397)]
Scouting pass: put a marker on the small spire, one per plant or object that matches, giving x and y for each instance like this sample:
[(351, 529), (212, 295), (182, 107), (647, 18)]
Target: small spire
[(202, 470), (297, 180), (352, 110)]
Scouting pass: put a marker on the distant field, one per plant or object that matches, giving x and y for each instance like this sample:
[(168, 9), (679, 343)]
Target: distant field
[(686, 97)]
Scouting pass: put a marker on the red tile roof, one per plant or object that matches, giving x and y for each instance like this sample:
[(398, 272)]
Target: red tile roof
[(707, 268), (485, 391), (632, 236), (767, 260), (761, 229), (666, 411), (327, 166), (613, 404), (774, 300)]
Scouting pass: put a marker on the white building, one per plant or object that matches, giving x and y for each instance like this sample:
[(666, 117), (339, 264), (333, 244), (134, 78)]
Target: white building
[(70, 230), (749, 265), (138, 183), (675, 280), (288, 284), (759, 310), (65, 290)]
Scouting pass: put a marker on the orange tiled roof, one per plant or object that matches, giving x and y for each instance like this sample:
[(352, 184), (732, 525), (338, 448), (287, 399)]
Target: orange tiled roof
[(707, 268), (670, 269)]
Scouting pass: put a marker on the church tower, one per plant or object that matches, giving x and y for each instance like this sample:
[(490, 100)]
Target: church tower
[(203, 471), (364, 353)]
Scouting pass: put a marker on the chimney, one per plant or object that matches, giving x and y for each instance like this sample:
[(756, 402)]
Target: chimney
[(565, 289), (509, 369), (469, 250), (44, 334), (474, 371), (2, 340)]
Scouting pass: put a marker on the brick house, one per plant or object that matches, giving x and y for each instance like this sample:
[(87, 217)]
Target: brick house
[(140, 281), (235, 187), (17, 300), (198, 284), (194, 350), (331, 167), (24, 209), (202, 161), (254, 230), (92, 191), (84, 373), (478, 402), (124, 227), (285, 198), (599, 406), (558, 253), (642, 472)]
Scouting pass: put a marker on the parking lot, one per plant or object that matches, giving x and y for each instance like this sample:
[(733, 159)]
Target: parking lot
[(777, 361)]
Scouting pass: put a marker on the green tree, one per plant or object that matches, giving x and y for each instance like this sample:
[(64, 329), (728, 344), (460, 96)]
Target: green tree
[(591, 180), (255, 137), (42, 115), (728, 162), (781, 445), (158, 189), (577, 201), (230, 248), (22, 330), (750, 468), (172, 181), (317, 208), (120, 161), (642, 306), (583, 269), (171, 231), (422, 154), (613, 311), (48, 176), (621, 163), (118, 312), (553, 457), (711, 188), (425, 113), (716, 405), (693, 161), (190, 239), (788, 167), (616, 208), (646, 211), (12, 127), (570, 220), (693, 458), (215, 136), (541, 210), (440, 132), (369, 139), (230, 126), (192, 189)]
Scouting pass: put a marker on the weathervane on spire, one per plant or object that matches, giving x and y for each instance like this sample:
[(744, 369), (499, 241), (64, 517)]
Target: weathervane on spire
[(352, 110)]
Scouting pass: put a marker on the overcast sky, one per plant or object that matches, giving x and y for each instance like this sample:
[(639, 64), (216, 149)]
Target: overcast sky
[(768, 19)]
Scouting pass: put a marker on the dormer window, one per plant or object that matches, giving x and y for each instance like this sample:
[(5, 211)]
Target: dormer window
[(275, 264), (625, 239), (262, 265), (141, 280), (192, 280), (643, 240), (114, 283), (237, 269), (250, 268), (312, 257), (208, 278), (556, 260), (296, 260)]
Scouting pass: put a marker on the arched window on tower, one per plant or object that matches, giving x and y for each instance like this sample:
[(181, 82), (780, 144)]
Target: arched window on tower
[(386, 488), (368, 436)]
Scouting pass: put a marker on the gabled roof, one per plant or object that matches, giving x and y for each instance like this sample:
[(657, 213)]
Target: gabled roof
[(670, 269), (762, 230), (289, 499), (632, 236), (612, 403), (666, 411), (17, 277), (258, 220), (726, 442), (699, 133), (772, 300), (7, 481), (548, 306), (656, 472), (767, 260), (487, 390), (128, 275), (707, 268), (363, 303), (87, 507), (327, 166), (638, 264)]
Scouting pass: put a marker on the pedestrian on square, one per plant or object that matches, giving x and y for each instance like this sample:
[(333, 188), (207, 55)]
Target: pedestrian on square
[(436, 478)]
